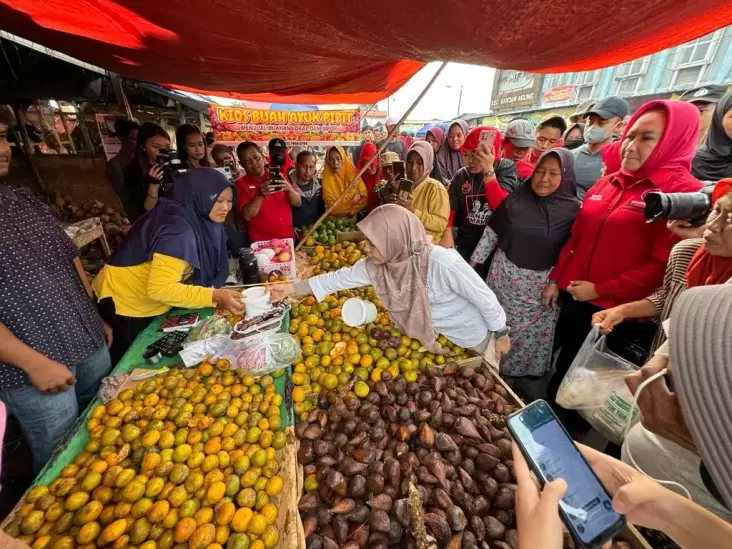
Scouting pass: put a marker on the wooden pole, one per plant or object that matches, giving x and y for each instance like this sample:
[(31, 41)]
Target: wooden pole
[(382, 147), (119, 92), (27, 145), (81, 122), (62, 115)]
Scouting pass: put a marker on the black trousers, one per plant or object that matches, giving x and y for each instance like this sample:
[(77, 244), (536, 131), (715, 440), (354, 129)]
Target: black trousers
[(631, 339), (124, 328)]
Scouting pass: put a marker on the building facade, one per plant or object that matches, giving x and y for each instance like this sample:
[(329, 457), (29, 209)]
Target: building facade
[(663, 75)]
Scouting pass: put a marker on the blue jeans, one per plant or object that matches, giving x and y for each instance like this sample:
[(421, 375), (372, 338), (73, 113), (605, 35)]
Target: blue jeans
[(45, 419)]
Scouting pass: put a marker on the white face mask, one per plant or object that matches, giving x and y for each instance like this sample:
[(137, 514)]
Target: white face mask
[(594, 134)]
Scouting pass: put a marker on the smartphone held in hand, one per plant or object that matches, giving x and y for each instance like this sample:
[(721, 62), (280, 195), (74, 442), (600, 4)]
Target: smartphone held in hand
[(486, 139), (586, 507)]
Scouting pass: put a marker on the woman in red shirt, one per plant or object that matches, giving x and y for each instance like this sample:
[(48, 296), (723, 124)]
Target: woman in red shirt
[(614, 256)]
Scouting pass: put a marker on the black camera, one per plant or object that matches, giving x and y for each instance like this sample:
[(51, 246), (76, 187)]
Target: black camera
[(694, 207), (172, 166), (277, 149)]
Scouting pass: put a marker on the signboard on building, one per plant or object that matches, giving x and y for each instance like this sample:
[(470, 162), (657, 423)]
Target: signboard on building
[(558, 94), (232, 125), (513, 89)]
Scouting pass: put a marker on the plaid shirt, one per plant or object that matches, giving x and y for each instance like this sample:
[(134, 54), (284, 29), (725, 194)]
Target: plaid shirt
[(42, 300)]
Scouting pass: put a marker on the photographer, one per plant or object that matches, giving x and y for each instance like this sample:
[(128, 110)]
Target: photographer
[(191, 145), (264, 203), (144, 174), (693, 262), (175, 256)]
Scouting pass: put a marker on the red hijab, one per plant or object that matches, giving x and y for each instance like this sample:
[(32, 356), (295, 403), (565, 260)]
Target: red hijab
[(611, 157), (368, 153), (668, 167), (524, 168), (704, 268), (439, 135)]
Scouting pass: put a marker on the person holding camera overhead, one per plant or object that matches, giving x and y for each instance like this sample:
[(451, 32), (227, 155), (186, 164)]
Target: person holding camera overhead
[(175, 256), (338, 173), (265, 198), (143, 175), (613, 255), (191, 145)]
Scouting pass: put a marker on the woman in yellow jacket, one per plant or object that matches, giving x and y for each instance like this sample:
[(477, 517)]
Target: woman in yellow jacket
[(338, 172), (429, 200), (174, 256)]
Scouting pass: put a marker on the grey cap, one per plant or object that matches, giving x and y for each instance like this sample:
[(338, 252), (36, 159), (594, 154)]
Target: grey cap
[(704, 94), (609, 107), (521, 132)]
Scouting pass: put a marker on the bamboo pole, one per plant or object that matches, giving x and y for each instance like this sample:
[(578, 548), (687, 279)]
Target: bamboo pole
[(384, 143)]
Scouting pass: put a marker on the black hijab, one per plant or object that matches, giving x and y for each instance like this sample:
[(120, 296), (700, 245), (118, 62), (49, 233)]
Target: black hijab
[(532, 229), (179, 226), (713, 161)]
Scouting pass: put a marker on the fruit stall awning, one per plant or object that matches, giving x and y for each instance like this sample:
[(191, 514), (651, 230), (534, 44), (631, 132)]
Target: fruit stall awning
[(349, 51)]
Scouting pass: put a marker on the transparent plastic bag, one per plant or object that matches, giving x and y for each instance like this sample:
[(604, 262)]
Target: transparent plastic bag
[(212, 326), (595, 386), (263, 355), (194, 352)]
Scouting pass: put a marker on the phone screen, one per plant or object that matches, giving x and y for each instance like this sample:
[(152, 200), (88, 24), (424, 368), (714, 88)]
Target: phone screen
[(551, 454)]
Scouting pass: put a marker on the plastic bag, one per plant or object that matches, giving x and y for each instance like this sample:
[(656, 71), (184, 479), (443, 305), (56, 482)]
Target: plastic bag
[(263, 355), (212, 326), (194, 352), (595, 386)]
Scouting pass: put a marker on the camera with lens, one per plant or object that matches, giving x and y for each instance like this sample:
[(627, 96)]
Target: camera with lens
[(172, 166), (277, 149), (694, 207)]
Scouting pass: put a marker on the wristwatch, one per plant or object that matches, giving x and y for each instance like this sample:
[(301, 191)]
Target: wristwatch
[(502, 332), (489, 175)]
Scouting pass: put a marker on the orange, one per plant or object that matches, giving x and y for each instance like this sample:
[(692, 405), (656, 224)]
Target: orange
[(366, 361), (298, 394), (325, 360)]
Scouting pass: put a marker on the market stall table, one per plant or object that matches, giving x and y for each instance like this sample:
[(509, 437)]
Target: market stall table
[(78, 437)]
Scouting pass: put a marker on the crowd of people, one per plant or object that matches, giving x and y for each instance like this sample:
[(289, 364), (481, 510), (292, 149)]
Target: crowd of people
[(512, 243)]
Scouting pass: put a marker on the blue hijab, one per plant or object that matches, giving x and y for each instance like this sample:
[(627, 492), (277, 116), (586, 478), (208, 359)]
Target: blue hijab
[(179, 226)]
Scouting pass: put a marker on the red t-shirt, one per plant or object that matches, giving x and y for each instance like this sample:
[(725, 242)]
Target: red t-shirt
[(274, 219)]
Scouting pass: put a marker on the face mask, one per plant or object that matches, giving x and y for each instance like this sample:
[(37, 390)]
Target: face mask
[(595, 134), (573, 143)]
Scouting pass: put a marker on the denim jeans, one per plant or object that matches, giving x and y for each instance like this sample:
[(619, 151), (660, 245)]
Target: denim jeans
[(45, 419)]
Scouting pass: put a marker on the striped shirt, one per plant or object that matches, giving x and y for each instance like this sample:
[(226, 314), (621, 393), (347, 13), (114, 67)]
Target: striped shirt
[(674, 282)]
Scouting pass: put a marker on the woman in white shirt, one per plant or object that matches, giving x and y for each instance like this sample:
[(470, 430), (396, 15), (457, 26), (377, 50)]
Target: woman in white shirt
[(425, 288)]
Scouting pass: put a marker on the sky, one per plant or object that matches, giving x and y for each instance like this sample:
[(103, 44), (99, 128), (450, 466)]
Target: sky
[(441, 101)]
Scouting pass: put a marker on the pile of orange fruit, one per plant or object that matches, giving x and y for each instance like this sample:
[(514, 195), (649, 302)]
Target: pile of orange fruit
[(331, 258), (188, 457), (333, 354)]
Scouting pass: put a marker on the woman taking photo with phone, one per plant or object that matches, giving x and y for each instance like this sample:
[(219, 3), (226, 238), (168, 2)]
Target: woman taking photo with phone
[(175, 256), (144, 174), (468, 202), (427, 199)]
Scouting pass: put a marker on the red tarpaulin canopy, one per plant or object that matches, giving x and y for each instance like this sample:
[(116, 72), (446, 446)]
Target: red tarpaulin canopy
[(349, 51)]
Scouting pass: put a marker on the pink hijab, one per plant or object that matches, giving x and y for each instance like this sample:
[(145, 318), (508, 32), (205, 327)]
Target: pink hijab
[(427, 154), (400, 282)]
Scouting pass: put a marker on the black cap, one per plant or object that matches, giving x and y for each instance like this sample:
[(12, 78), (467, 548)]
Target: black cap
[(609, 107), (704, 94)]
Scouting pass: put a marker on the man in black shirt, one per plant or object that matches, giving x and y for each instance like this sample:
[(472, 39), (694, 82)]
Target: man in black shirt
[(53, 353)]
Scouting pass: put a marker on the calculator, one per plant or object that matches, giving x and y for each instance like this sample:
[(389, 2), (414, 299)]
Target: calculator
[(168, 345)]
